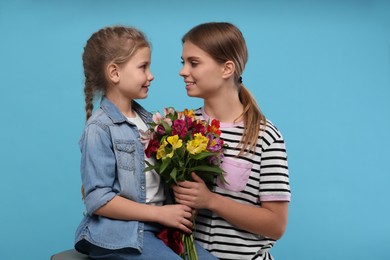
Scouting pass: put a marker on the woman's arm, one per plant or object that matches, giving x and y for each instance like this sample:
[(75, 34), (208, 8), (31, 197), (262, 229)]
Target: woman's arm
[(268, 220)]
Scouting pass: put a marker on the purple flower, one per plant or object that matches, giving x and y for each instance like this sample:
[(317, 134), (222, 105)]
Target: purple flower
[(216, 159), (152, 148), (215, 144), (199, 128), (160, 129), (179, 128)]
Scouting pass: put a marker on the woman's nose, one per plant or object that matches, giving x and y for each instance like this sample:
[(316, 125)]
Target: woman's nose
[(183, 72)]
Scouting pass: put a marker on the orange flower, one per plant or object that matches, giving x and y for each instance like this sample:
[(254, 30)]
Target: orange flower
[(214, 127)]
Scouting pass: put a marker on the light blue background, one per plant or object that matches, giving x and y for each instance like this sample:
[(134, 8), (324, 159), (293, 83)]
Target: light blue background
[(320, 71)]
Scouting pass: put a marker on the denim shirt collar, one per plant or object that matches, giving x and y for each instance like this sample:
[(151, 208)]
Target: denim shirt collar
[(117, 117)]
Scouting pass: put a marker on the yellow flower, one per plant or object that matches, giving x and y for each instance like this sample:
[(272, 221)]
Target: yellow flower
[(161, 150), (198, 144), (175, 141)]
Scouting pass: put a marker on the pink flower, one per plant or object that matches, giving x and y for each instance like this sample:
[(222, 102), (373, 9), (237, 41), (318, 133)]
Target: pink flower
[(145, 137), (169, 111), (179, 128), (157, 117), (168, 121)]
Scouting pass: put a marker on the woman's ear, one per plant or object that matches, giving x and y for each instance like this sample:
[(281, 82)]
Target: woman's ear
[(228, 69), (113, 73)]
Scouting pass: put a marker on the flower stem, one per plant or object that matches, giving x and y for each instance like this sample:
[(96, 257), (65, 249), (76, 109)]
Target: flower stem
[(189, 248)]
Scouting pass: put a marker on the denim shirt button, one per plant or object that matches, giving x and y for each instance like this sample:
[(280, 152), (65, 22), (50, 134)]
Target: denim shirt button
[(142, 187)]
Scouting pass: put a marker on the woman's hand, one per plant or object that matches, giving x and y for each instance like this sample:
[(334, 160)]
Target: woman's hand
[(194, 194), (268, 219)]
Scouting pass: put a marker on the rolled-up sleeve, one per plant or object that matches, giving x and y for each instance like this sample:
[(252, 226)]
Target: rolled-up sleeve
[(97, 167)]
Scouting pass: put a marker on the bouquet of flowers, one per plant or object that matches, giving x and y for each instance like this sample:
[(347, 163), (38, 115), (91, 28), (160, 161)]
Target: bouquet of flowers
[(182, 144)]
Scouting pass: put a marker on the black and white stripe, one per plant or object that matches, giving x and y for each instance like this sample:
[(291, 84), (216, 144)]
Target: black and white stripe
[(268, 181)]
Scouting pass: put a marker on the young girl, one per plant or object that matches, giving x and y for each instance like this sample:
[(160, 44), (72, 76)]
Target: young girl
[(124, 205), (241, 219)]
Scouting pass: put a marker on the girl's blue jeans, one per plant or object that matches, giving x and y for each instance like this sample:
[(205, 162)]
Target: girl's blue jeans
[(153, 248)]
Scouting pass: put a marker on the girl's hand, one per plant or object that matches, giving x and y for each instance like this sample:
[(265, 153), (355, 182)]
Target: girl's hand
[(194, 194), (176, 216)]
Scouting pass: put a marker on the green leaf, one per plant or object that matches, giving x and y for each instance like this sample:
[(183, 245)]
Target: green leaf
[(165, 164), (148, 163), (166, 126), (149, 168), (201, 155), (173, 174), (206, 168)]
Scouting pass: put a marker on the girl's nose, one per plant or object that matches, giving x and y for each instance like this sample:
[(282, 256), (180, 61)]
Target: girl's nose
[(150, 77)]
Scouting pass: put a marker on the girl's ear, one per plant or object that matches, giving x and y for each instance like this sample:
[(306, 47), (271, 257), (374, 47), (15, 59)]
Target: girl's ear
[(228, 69), (113, 73)]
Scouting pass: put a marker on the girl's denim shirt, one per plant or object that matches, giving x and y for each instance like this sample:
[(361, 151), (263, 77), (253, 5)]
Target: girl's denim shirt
[(112, 164)]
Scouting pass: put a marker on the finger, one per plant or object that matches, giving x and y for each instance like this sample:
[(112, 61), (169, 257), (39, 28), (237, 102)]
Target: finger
[(185, 229), (187, 208), (184, 202), (182, 191), (196, 178), (185, 225), (181, 183), (185, 184), (188, 215), (188, 223)]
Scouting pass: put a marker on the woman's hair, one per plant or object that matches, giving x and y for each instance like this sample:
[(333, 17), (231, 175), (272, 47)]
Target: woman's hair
[(225, 42), (116, 44)]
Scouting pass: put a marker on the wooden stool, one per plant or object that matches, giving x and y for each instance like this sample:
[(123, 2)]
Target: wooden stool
[(70, 254)]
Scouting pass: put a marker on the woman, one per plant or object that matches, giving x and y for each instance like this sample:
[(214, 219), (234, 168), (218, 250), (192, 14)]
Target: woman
[(242, 218)]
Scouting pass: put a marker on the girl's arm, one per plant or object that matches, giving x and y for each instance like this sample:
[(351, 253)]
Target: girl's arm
[(269, 220), (176, 216), (98, 174)]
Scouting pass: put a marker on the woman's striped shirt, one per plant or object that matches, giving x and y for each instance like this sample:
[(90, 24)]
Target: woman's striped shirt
[(252, 179)]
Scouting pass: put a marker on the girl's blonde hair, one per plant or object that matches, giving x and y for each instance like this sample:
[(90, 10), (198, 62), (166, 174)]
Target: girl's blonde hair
[(116, 44), (225, 42)]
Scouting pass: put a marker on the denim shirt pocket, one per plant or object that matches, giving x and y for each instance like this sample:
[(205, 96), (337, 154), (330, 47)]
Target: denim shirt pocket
[(125, 150)]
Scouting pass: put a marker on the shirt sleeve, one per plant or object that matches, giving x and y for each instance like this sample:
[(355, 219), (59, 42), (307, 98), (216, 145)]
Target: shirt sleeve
[(97, 167), (274, 175)]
